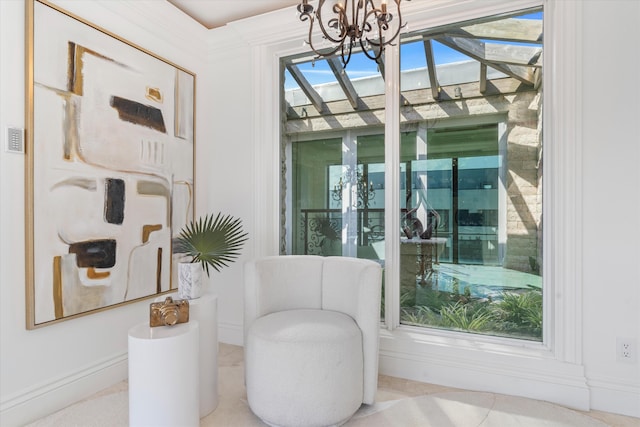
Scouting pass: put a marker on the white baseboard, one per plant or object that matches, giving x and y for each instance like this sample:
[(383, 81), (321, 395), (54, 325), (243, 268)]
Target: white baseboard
[(567, 390), (610, 395), (231, 333), (496, 368), (548, 380), (44, 399)]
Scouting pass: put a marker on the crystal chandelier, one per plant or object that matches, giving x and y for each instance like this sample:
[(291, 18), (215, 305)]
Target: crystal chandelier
[(365, 191), (351, 22)]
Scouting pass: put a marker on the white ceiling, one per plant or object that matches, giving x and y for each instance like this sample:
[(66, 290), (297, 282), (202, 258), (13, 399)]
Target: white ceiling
[(217, 13)]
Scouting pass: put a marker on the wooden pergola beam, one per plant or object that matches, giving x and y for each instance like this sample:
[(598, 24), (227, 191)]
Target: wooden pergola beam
[(512, 29), (482, 84), (431, 68), (476, 50), (516, 55), (305, 86), (344, 81), (502, 87)]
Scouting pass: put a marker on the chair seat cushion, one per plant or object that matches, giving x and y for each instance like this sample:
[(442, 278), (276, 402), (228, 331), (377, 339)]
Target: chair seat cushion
[(304, 367)]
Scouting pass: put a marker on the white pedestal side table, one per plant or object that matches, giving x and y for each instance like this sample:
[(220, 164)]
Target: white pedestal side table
[(205, 311), (164, 384)]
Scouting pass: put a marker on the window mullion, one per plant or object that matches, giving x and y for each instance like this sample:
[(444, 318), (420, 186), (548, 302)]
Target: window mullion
[(349, 195), (392, 186)]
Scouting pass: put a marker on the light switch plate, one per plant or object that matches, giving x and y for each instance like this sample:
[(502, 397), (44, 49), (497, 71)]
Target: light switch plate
[(14, 141)]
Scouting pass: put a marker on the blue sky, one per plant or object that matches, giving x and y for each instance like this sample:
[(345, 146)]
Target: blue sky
[(412, 56)]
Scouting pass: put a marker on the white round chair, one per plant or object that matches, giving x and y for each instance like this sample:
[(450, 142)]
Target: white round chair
[(311, 338)]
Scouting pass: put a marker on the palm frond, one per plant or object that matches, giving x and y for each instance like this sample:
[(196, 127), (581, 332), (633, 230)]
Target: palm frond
[(214, 242)]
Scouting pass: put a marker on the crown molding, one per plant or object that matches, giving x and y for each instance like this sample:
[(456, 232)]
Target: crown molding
[(157, 20)]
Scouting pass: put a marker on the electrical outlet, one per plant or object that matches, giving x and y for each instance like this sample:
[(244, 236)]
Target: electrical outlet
[(627, 349)]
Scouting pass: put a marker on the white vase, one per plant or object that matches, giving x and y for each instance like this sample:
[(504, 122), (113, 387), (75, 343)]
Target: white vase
[(189, 280)]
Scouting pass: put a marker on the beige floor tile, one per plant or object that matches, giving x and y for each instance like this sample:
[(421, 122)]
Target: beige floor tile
[(399, 402)]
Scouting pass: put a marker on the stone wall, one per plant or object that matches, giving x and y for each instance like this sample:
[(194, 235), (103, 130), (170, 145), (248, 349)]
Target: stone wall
[(524, 189)]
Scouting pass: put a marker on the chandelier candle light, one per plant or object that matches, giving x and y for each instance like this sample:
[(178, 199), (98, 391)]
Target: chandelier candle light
[(352, 22)]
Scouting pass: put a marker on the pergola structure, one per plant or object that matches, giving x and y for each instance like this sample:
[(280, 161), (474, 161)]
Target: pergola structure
[(495, 78), (509, 46)]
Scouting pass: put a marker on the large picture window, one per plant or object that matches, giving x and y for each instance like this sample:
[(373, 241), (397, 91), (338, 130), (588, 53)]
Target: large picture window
[(469, 164)]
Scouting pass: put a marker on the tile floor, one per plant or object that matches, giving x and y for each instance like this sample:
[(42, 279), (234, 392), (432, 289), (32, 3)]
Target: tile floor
[(400, 402)]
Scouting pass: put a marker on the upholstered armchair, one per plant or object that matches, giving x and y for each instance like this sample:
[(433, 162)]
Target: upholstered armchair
[(311, 329)]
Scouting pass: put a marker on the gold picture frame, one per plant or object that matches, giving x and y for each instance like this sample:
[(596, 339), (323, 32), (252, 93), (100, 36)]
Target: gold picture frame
[(110, 148)]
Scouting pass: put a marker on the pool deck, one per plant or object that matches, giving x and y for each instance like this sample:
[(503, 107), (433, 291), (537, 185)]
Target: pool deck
[(491, 276)]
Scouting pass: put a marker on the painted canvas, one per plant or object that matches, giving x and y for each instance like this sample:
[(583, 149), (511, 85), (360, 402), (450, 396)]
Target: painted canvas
[(111, 168)]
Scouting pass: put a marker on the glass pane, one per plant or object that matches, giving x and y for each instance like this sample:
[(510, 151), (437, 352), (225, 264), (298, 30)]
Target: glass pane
[(316, 220), (338, 197), (333, 157), (471, 177), (362, 74), (471, 180), (371, 197)]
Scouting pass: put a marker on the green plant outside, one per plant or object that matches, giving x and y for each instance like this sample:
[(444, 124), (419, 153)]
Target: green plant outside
[(517, 315), (466, 316)]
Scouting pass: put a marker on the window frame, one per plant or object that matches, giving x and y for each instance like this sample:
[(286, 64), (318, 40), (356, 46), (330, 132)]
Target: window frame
[(560, 353)]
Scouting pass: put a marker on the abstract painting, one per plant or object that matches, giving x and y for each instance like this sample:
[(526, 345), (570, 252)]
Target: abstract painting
[(110, 167)]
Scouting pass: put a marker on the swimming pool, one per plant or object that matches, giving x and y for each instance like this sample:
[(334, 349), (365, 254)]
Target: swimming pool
[(482, 282)]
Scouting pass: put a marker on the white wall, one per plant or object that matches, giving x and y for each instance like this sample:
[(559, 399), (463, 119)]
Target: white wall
[(228, 157), (236, 172), (46, 369), (611, 199)]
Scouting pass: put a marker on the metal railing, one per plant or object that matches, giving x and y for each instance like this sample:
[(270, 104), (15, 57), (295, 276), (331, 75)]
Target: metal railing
[(322, 228)]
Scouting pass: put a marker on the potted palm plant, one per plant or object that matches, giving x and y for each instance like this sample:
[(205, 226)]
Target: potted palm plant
[(210, 242)]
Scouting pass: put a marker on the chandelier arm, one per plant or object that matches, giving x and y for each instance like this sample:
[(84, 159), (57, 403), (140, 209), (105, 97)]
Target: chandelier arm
[(392, 38), (346, 61), (306, 11), (365, 13), (343, 18), (361, 13), (340, 23), (323, 52), (388, 41), (401, 25), (366, 27), (355, 14), (366, 51), (310, 41)]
